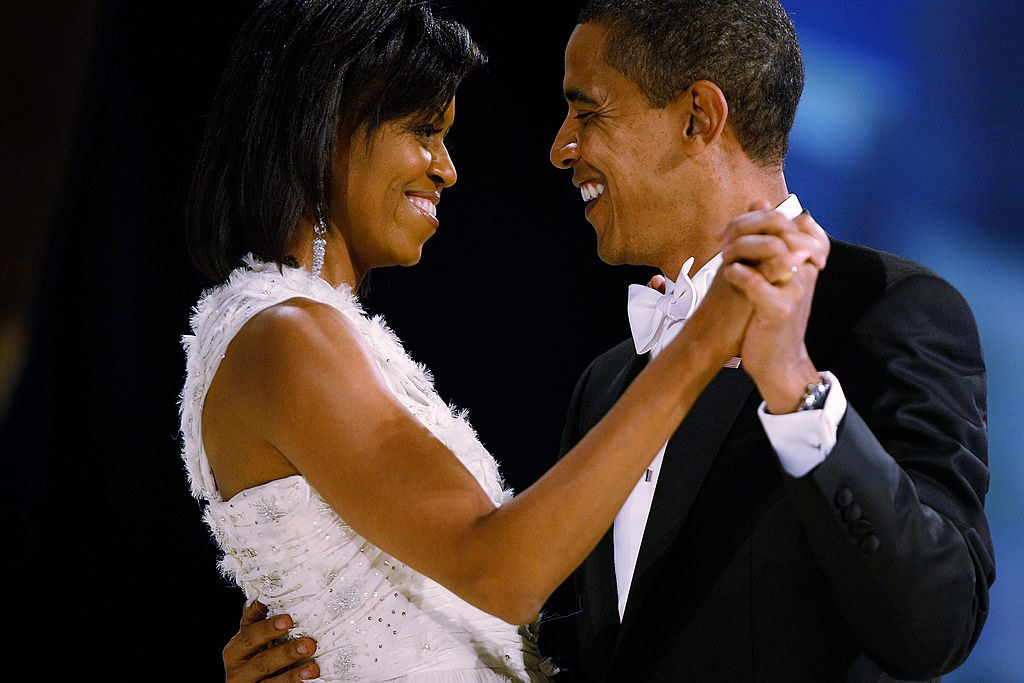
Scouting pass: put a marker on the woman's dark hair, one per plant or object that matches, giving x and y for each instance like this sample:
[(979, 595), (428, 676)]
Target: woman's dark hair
[(299, 70)]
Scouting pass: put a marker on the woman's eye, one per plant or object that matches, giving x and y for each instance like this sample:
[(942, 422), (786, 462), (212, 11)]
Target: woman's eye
[(427, 131)]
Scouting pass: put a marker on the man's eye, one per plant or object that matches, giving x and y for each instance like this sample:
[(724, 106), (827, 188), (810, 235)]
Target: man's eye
[(427, 131), (584, 116)]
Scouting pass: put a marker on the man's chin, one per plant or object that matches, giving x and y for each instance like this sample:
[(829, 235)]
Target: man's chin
[(612, 255), (609, 249)]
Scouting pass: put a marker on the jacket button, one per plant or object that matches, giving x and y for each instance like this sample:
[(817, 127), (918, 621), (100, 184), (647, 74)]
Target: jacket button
[(852, 512), (869, 544), (844, 497), (860, 528)]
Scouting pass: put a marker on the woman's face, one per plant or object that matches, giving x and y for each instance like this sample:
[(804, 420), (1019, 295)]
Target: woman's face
[(386, 189)]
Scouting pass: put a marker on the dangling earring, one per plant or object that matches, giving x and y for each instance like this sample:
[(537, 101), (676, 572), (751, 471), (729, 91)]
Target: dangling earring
[(319, 245)]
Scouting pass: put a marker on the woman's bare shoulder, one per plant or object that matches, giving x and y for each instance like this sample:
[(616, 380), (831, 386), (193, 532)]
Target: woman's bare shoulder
[(299, 320), (300, 332), (294, 351), (282, 368)]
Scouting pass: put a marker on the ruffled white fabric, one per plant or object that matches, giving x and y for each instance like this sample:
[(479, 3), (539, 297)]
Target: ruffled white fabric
[(373, 618)]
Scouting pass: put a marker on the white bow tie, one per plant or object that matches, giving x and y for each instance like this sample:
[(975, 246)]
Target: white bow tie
[(655, 318)]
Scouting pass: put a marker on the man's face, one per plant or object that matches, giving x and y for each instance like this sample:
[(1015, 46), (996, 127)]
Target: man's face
[(622, 152)]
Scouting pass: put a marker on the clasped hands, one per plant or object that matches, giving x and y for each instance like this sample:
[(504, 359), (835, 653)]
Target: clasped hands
[(760, 300)]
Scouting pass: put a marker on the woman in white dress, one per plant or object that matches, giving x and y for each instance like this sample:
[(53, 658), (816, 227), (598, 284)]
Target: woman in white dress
[(340, 487)]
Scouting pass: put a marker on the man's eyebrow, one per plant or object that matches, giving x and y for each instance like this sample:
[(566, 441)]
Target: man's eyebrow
[(576, 96)]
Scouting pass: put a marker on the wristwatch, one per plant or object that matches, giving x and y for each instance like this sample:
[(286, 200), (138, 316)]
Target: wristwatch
[(815, 395)]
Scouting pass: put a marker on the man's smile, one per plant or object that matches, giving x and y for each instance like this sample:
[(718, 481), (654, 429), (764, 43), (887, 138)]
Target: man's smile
[(591, 189)]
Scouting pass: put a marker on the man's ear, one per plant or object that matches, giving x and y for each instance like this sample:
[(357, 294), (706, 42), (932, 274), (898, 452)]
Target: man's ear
[(704, 113)]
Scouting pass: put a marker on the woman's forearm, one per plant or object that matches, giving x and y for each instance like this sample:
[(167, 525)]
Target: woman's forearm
[(519, 553)]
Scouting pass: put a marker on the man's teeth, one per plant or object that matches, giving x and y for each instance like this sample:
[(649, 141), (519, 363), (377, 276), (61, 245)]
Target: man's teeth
[(424, 205), (591, 191)]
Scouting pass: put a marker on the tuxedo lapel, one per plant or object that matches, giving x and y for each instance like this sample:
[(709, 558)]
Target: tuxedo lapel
[(601, 600), (625, 377), (599, 585), (688, 457)]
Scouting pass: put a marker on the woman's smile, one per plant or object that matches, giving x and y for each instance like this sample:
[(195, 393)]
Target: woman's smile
[(425, 203)]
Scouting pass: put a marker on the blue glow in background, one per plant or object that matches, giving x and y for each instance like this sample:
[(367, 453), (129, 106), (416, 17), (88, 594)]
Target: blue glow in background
[(908, 139)]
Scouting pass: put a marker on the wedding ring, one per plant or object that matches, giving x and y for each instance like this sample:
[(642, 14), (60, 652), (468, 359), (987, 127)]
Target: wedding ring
[(787, 276)]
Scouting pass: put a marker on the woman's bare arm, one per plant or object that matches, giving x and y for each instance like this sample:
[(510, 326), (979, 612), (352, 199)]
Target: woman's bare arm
[(302, 382)]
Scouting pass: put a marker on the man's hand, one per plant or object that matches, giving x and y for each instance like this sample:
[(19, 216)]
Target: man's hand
[(251, 656), (775, 263)]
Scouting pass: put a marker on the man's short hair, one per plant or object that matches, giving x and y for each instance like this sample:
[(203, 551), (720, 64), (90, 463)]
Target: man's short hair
[(748, 48)]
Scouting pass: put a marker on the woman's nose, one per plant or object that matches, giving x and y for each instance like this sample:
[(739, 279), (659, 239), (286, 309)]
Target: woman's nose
[(442, 170)]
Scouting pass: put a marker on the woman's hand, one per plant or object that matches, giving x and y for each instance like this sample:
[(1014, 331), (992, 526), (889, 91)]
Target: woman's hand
[(722, 318)]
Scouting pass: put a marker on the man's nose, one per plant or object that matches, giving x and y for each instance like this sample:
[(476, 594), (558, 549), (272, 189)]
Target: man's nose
[(565, 151)]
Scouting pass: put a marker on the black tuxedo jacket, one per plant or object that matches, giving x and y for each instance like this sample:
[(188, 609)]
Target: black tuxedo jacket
[(879, 560)]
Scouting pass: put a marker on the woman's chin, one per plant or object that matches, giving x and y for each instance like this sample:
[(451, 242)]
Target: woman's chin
[(406, 252), (412, 257)]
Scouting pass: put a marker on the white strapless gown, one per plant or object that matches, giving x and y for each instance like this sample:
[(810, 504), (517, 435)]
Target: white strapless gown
[(373, 617)]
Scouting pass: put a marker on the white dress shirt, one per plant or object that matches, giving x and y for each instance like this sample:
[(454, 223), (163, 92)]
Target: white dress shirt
[(802, 440)]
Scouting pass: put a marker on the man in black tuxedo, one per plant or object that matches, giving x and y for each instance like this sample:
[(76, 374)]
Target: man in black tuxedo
[(818, 516), (819, 513)]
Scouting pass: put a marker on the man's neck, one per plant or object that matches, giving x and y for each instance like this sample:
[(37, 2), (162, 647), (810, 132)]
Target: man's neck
[(721, 207)]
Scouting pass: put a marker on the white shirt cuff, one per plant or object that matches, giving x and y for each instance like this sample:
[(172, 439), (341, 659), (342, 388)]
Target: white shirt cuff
[(803, 439)]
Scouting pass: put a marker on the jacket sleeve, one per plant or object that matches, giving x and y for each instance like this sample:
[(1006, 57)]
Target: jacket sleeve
[(895, 514)]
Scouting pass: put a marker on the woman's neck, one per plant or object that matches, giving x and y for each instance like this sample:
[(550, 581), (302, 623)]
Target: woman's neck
[(338, 269)]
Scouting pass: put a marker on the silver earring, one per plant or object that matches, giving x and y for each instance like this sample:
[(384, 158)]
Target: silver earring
[(319, 245)]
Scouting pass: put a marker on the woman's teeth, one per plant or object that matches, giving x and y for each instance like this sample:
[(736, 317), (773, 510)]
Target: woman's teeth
[(591, 191), (424, 205)]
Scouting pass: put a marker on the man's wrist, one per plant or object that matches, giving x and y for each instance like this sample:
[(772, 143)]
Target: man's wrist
[(803, 439), (786, 394)]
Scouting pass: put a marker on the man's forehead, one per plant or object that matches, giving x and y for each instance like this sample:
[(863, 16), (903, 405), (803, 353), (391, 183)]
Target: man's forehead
[(584, 64)]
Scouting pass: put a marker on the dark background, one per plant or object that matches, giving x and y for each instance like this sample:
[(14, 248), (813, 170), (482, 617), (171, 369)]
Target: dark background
[(907, 140)]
